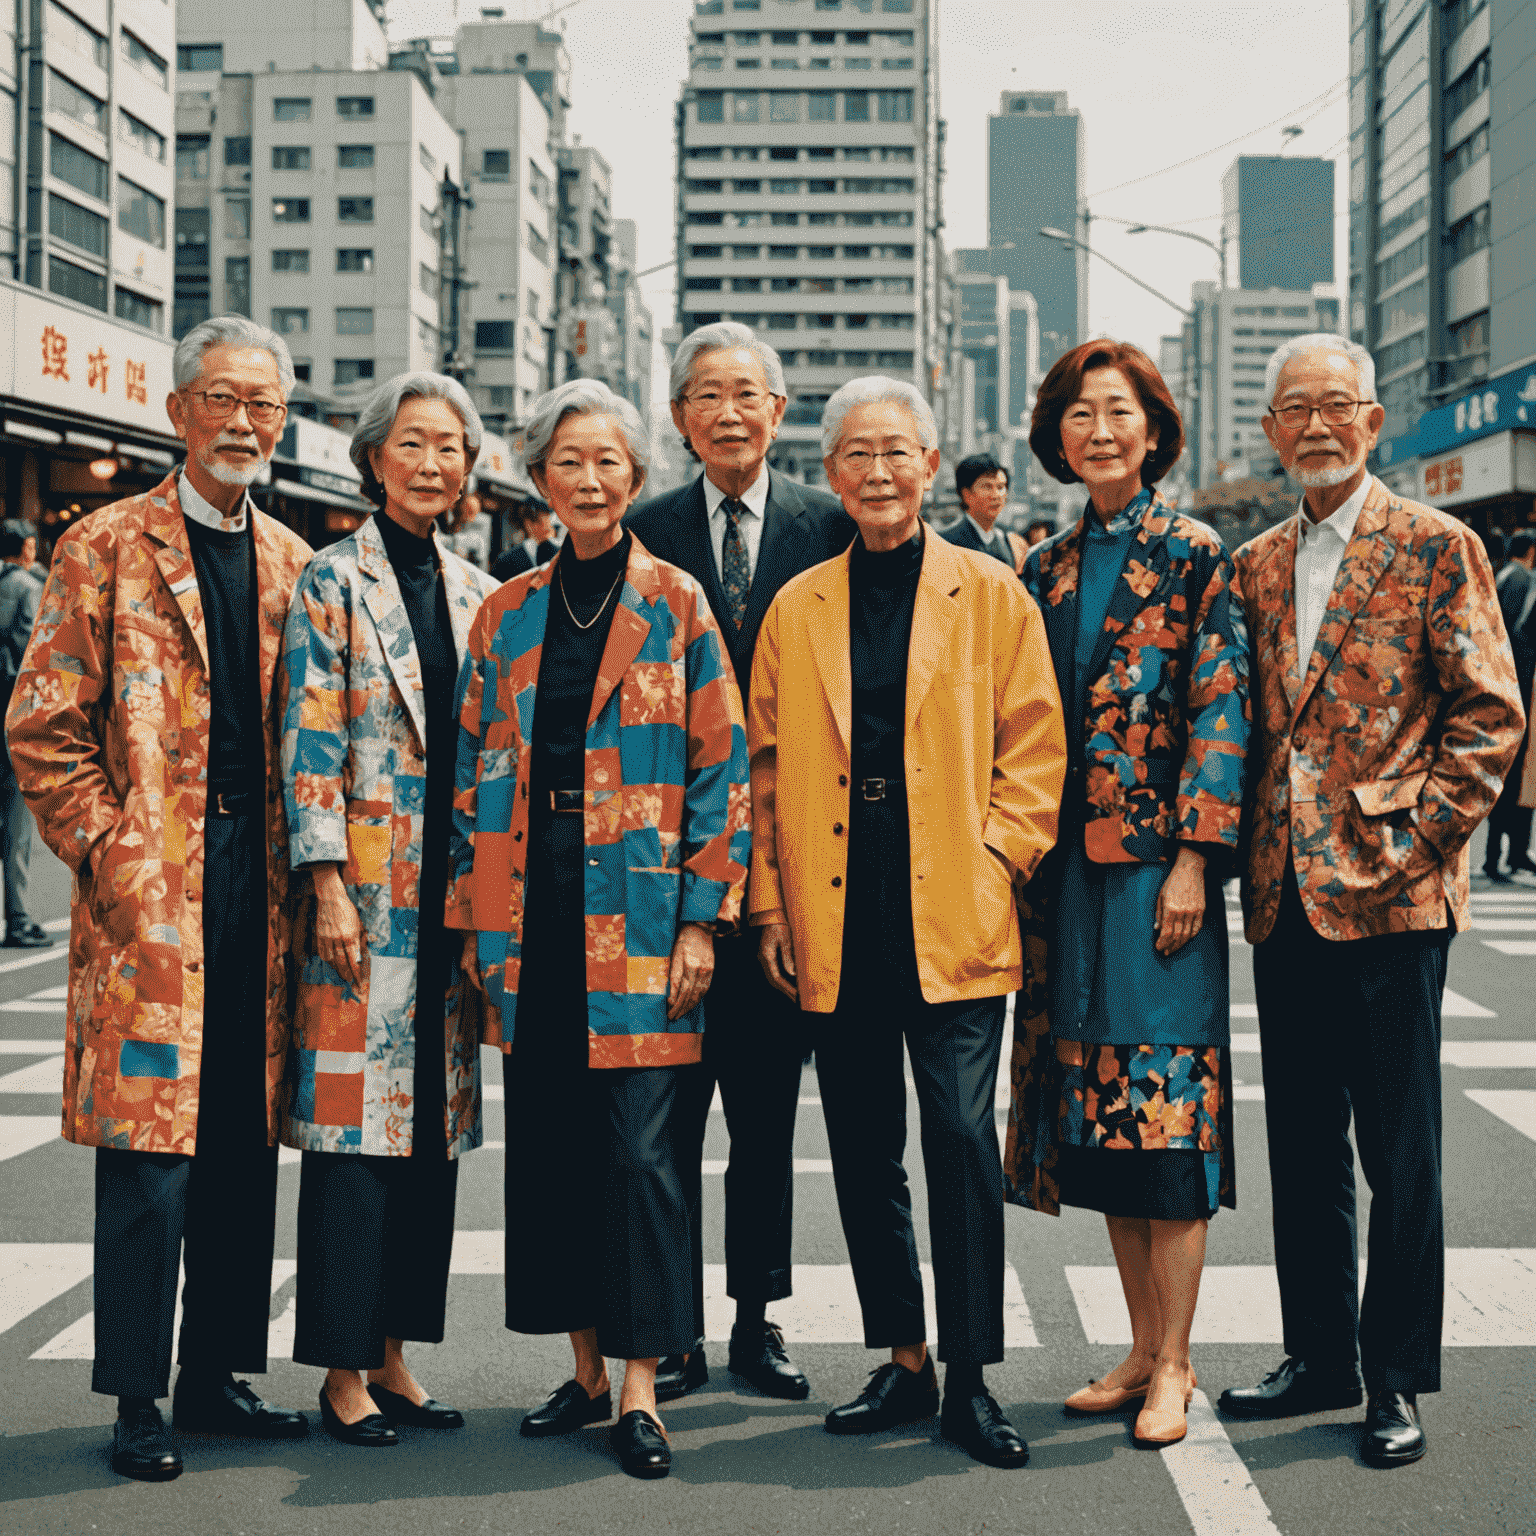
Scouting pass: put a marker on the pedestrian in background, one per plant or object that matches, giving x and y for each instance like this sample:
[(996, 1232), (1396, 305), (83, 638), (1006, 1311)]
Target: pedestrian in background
[(540, 543), (742, 531), (982, 485), (1387, 713), (601, 838), (1122, 1075), (144, 732), (907, 758), (1516, 584), (19, 594), (383, 1095)]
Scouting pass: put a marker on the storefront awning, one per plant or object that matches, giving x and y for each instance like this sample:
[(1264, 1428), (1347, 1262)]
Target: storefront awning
[(299, 491)]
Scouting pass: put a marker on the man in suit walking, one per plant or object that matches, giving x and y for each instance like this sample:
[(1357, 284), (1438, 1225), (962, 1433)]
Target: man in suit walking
[(1517, 602), (1386, 714), (742, 531), (540, 543), (19, 592), (982, 484)]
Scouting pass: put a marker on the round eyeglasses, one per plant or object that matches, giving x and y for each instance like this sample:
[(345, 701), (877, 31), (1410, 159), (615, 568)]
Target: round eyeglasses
[(896, 460), (1335, 413), (219, 406)]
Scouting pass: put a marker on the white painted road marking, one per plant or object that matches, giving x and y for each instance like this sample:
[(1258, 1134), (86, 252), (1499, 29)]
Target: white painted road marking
[(1212, 1480), (1517, 1055), (58, 952), (1514, 1106), (23, 1133), (1503, 924), (29, 1047), (1512, 946), (33, 1274), (45, 1076)]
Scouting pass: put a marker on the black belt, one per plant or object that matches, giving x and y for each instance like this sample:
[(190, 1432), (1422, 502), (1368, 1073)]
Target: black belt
[(233, 802), (567, 802), (876, 789)]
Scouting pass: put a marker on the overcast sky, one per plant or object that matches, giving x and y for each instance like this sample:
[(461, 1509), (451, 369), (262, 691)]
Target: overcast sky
[(1158, 83)]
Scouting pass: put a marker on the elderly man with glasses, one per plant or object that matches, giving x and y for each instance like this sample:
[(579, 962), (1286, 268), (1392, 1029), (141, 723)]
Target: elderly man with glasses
[(144, 734), (908, 753), (1386, 714)]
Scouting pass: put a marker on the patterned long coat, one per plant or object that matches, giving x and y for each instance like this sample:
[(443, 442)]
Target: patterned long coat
[(667, 824), (354, 772), (109, 730), (1377, 756), (1160, 759)]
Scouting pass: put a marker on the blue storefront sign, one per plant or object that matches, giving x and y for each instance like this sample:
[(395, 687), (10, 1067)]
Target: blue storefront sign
[(1502, 404)]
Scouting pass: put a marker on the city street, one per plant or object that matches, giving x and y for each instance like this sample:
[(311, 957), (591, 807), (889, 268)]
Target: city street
[(745, 1464)]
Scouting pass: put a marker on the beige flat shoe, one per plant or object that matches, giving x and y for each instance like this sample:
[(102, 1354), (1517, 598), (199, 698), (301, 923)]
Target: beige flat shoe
[(1097, 1397), (1159, 1429)]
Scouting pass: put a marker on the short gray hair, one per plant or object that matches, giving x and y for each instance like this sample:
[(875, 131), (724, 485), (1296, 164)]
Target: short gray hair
[(872, 390), (383, 405), (582, 397), (229, 331), (722, 337), (1321, 341)]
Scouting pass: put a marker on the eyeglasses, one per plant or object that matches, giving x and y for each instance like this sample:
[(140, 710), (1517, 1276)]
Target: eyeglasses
[(711, 401), (1335, 413), (219, 406), (859, 461)]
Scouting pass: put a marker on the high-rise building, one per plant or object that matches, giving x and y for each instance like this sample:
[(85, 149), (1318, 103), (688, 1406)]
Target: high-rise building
[(1277, 217), (636, 328), (808, 193)]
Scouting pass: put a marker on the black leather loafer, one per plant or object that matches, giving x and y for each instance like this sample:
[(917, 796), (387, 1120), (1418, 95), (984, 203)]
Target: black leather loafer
[(142, 1446), (758, 1356), (566, 1408), (29, 936), (230, 1407), (399, 1409), (374, 1430), (979, 1427), (676, 1377), (1294, 1388), (1393, 1434), (641, 1445), (894, 1396)]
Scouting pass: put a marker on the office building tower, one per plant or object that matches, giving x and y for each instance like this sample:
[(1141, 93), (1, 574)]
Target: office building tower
[(808, 193), (1277, 220), (636, 327)]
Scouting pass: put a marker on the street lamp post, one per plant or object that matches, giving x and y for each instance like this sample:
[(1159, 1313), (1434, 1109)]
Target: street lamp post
[(1184, 234), (1069, 240)]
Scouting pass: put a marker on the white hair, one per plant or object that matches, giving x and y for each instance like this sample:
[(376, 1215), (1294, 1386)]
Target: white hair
[(1321, 341), (378, 418), (229, 331), (583, 397), (722, 337), (872, 391)]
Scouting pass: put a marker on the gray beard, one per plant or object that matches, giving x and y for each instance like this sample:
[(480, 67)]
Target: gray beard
[(229, 474), (1321, 479)]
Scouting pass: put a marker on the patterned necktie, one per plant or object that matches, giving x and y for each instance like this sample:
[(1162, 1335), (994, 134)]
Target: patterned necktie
[(735, 575), (1000, 549)]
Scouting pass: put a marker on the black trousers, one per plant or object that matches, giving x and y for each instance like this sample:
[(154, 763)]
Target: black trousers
[(755, 1040), (375, 1244), (214, 1213), (1508, 818), (1364, 1017)]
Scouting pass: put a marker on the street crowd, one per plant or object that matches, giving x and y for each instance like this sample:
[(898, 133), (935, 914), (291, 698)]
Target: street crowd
[(742, 773)]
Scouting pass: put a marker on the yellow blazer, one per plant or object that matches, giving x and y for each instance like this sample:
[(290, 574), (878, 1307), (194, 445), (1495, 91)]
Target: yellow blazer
[(985, 755)]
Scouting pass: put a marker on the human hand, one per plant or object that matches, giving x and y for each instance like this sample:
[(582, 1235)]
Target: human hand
[(1181, 902), (776, 955), (471, 959), (338, 929), (692, 969)]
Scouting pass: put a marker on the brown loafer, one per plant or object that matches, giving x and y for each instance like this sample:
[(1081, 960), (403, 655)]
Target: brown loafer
[(1097, 1397)]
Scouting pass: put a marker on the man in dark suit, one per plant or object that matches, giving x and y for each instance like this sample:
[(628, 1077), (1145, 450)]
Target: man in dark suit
[(983, 486), (742, 532), (1517, 602), (540, 543)]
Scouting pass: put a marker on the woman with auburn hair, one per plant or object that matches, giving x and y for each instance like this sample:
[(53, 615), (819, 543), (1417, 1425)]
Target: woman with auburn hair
[(1121, 1077)]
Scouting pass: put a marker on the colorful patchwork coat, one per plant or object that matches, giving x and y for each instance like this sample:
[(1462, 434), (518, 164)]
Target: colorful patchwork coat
[(667, 820), (1159, 760), (108, 730), (355, 774), (1378, 755)]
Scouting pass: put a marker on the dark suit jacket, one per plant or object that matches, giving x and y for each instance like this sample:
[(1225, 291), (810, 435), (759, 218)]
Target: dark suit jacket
[(515, 561), (964, 535), (1514, 586), (801, 528)]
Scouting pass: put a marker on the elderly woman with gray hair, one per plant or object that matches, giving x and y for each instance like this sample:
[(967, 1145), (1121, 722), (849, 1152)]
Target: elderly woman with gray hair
[(383, 1090), (601, 835)]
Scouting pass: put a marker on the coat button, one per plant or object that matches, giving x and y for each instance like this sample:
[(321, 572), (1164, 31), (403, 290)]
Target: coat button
[(837, 829), (837, 880), (592, 862), (842, 779), (517, 837)]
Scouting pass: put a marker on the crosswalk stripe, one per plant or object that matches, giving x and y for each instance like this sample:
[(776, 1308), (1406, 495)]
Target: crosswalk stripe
[(33, 1274), (715, 1166), (1519, 1055), (45, 1076), (29, 1047), (1503, 923), (1514, 1106), (58, 952), (1455, 1006), (23, 1133), (1512, 946), (1212, 1480), (35, 1005)]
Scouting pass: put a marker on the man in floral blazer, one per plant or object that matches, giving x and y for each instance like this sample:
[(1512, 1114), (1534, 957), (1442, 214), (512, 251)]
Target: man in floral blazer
[(1387, 713)]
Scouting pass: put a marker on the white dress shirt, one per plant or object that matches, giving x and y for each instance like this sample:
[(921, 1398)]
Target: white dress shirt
[(194, 505), (755, 500), (1319, 553)]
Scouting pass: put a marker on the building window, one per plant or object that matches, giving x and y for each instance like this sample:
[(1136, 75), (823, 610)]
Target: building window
[(140, 213), (192, 226), (354, 157), (354, 210), (72, 282), (781, 185), (532, 308), (145, 60), (141, 136), (289, 157), (710, 107), (428, 221), (290, 109), (290, 261), (73, 33), (496, 165), (540, 188), (426, 334), (352, 370), (354, 322), (744, 107), (855, 106), (495, 335), (290, 322), (896, 63), (82, 171), (352, 260), (423, 154), (77, 226), (359, 106), (1467, 236), (1467, 87), (426, 280), (894, 106), (197, 58), (781, 322), (290, 210), (237, 284), (66, 97), (706, 252), (783, 107), (237, 218), (1467, 153), (783, 220), (538, 246), (784, 64), (139, 311), (1402, 264), (237, 150), (703, 284)]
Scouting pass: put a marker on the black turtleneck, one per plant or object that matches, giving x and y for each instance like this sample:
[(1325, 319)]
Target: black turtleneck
[(882, 592)]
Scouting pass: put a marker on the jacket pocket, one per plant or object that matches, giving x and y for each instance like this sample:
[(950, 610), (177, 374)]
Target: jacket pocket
[(1381, 797)]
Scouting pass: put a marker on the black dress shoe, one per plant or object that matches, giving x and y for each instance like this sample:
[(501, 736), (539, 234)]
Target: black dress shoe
[(1498, 876), (1393, 1434), (979, 1427), (230, 1407), (1293, 1388), (29, 936), (641, 1446), (142, 1446), (894, 1396), (676, 1377), (399, 1409), (758, 1356), (566, 1408), (374, 1430)]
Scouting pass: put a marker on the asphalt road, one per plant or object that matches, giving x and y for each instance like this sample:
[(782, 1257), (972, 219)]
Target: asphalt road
[(744, 1464)]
